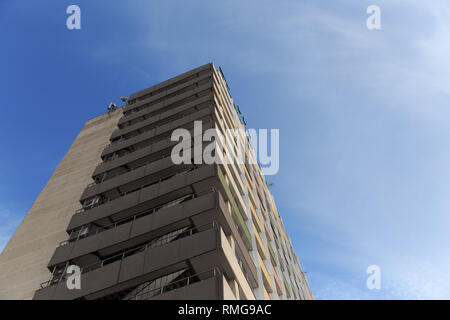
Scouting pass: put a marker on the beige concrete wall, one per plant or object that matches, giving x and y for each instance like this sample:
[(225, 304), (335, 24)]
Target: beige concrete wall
[(24, 259), (229, 253), (228, 293)]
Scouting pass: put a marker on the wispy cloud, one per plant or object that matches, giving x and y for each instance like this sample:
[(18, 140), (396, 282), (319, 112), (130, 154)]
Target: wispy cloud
[(363, 116), (364, 121)]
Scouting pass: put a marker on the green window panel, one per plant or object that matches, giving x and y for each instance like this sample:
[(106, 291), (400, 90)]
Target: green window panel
[(235, 208), (287, 286), (272, 254)]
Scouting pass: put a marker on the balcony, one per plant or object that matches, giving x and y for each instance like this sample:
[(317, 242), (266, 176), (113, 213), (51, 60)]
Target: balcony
[(172, 252), (169, 103), (145, 198), (160, 128), (156, 241), (140, 110), (133, 186), (167, 85), (156, 120), (207, 285), (93, 242), (200, 251), (138, 158), (90, 243), (123, 184)]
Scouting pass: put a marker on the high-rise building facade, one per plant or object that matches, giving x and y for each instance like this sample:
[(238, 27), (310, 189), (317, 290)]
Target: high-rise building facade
[(139, 226)]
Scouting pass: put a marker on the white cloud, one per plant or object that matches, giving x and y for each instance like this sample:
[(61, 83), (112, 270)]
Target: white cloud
[(372, 177)]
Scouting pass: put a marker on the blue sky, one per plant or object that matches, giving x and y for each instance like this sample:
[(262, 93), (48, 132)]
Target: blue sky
[(363, 115)]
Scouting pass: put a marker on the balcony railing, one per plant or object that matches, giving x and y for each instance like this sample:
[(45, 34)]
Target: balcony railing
[(168, 154), (127, 113), (163, 136), (215, 272), (160, 121), (106, 200), (81, 234), (121, 256)]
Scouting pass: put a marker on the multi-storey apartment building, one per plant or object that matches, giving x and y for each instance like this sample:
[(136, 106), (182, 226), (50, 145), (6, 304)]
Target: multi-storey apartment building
[(139, 226)]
